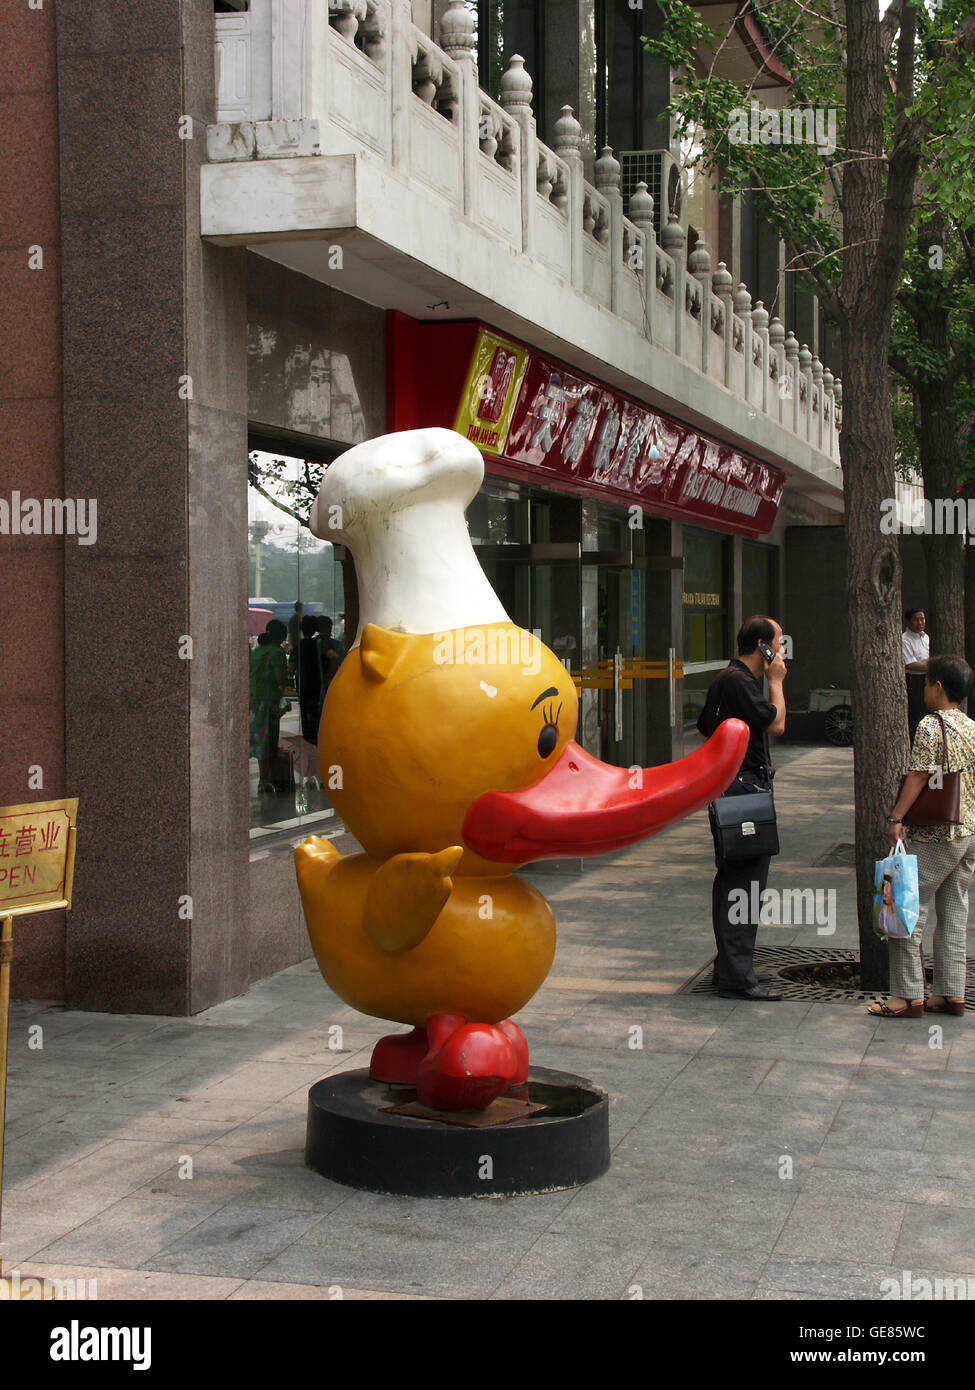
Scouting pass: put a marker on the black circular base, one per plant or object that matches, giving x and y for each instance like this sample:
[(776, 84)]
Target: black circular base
[(353, 1140)]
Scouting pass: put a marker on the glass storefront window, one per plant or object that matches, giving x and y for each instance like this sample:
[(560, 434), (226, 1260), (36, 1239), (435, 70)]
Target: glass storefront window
[(705, 610), (498, 516), (705, 614), (757, 589), (292, 575)]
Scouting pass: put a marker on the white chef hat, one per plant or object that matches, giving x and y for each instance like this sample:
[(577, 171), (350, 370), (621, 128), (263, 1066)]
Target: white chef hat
[(398, 503)]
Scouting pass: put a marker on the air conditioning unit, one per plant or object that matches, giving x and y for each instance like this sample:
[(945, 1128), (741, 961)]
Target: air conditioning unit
[(660, 171)]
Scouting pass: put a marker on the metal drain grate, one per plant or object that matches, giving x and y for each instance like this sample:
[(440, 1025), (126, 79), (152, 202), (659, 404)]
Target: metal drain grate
[(779, 962)]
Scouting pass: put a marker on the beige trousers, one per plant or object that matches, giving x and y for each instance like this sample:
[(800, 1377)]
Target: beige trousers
[(943, 872)]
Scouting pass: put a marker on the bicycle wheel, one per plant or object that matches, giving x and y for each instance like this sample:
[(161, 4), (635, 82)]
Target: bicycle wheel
[(839, 725)]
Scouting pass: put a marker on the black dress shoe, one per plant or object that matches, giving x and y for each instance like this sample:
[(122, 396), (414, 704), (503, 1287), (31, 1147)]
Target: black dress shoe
[(762, 996), (762, 980)]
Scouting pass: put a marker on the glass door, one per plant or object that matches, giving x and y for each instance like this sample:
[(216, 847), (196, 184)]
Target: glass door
[(539, 587), (619, 641)]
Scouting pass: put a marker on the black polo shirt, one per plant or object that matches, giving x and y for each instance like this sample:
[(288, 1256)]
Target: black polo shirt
[(736, 694)]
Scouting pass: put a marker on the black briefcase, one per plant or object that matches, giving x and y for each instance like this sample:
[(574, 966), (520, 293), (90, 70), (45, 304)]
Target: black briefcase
[(743, 827)]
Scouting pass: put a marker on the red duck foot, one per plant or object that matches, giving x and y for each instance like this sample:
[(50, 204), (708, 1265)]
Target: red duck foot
[(397, 1057), (468, 1065), (520, 1044)]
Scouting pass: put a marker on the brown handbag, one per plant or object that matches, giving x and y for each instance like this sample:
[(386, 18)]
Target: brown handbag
[(936, 805)]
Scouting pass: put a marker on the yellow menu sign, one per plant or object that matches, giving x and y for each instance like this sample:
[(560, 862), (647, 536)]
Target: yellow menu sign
[(494, 378), (37, 846)]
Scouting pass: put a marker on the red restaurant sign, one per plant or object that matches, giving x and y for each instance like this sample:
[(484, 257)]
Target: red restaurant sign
[(526, 409)]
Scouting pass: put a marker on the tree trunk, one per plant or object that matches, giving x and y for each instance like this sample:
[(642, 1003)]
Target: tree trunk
[(873, 571), (878, 196)]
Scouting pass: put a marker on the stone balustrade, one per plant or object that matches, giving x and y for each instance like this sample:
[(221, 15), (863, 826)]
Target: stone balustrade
[(341, 77)]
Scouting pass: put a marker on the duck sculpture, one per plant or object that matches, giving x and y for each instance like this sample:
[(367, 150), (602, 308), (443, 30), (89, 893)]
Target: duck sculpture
[(447, 741)]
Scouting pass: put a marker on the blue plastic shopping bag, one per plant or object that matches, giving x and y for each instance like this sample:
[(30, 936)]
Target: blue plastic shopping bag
[(895, 899)]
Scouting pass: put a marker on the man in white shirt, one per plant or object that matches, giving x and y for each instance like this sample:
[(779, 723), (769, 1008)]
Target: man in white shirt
[(916, 649)]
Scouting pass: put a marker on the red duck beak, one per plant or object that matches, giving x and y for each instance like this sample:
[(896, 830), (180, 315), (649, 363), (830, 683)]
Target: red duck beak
[(587, 807)]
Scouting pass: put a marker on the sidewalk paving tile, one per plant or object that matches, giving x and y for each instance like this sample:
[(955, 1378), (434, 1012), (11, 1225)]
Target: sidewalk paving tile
[(708, 1099), (821, 1226), (127, 1233), (238, 1240)]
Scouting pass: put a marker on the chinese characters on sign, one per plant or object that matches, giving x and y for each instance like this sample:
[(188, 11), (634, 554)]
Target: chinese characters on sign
[(527, 409), (36, 854)]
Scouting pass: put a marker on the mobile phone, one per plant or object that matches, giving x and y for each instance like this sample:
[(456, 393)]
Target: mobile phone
[(767, 652)]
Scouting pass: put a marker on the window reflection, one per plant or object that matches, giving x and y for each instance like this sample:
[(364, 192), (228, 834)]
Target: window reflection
[(296, 626)]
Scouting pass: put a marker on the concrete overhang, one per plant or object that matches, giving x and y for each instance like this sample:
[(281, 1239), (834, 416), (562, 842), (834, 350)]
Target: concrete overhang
[(741, 50), (404, 248)]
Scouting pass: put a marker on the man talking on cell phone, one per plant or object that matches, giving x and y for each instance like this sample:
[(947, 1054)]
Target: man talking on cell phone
[(737, 693)]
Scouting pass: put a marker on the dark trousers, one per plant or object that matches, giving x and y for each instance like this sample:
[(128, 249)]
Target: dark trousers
[(734, 920)]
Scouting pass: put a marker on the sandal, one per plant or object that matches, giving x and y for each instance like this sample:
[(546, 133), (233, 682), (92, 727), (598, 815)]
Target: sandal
[(881, 1010), (947, 1006)]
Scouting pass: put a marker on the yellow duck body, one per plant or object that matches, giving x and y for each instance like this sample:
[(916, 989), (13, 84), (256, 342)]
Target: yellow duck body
[(414, 730), (489, 949)]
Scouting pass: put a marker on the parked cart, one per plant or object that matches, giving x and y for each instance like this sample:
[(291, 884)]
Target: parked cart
[(836, 705)]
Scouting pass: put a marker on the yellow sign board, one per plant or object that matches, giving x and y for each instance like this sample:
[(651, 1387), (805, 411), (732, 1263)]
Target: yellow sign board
[(491, 391), (37, 845)]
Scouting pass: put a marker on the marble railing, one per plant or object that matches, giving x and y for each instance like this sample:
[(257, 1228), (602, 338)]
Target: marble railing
[(312, 77)]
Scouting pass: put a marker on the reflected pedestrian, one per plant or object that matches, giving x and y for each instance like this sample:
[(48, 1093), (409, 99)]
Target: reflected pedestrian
[(332, 655), (309, 679), (268, 678)]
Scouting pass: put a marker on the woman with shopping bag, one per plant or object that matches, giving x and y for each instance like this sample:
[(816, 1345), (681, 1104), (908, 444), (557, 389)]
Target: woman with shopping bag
[(936, 802)]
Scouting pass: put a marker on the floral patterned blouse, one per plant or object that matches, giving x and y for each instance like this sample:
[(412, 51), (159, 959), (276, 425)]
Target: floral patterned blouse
[(928, 754)]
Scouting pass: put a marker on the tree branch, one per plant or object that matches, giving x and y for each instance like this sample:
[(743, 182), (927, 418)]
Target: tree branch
[(288, 511), (889, 26), (903, 368)]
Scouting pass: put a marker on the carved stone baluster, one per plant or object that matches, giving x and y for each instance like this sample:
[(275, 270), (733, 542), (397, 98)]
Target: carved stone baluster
[(760, 337), (722, 286), (805, 389), (641, 215), (568, 147), (672, 239), (829, 429), (776, 360), (742, 301), (457, 41), (544, 176), (345, 16), (817, 402), (699, 267), (791, 415), (426, 77), (374, 34), (516, 98), (488, 131), (607, 178)]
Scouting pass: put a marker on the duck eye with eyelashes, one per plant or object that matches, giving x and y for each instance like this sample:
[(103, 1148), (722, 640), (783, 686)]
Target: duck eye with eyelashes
[(549, 736)]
